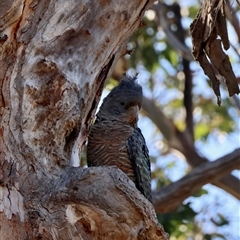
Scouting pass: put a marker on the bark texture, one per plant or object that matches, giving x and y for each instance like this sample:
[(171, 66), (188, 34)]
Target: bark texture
[(55, 57)]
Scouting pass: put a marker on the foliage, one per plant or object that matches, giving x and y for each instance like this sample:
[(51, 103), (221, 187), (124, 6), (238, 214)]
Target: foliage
[(180, 223)]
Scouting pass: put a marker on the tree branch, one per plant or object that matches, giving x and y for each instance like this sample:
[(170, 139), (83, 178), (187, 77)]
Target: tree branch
[(179, 35), (181, 141), (173, 40), (187, 100), (99, 203), (170, 197), (188, 104), (232, 17)]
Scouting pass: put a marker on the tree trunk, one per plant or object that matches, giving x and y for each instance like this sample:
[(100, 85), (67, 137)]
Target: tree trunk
[(55, 57)]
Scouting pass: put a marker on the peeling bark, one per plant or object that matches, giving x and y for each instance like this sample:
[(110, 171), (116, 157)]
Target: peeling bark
[(55, 57)]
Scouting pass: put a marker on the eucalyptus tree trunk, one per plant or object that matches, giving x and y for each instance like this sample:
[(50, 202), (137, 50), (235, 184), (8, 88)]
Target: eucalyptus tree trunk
[(55, 57)]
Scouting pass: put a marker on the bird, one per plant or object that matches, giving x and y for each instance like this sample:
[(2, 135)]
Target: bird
[(116, 140)]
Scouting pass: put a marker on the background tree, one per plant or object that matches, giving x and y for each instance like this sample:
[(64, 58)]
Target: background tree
[(55, 57)]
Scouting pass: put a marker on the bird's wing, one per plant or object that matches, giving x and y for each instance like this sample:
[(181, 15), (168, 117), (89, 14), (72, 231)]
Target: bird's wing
[(138, 154)]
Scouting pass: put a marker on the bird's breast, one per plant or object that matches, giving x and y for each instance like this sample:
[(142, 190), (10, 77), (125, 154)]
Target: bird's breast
[(107, 145)]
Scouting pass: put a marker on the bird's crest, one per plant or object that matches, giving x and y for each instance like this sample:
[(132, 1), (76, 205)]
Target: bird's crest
[(130, 77)]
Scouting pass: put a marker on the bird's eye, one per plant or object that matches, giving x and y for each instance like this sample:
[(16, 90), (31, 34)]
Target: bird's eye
[(122, 103)]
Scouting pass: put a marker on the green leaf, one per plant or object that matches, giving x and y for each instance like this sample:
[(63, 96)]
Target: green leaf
[(201, 131), (200, 192)]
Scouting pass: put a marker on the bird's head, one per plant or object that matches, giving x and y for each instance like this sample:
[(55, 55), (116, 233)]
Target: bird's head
[(123, 102)]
